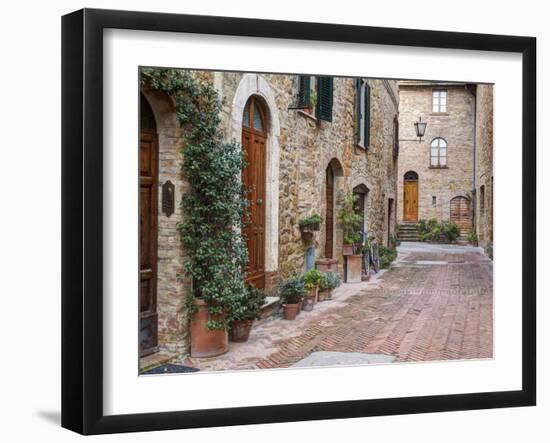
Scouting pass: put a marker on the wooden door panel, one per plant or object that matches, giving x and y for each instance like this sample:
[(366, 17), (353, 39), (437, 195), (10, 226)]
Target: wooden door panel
[(254, 178), (148, 205), (460, 214), (410, 201)]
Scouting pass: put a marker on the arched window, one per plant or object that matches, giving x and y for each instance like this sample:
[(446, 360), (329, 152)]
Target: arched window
[(438, 153)]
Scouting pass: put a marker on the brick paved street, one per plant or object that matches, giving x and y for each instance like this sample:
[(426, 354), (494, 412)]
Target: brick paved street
[(435, 303)]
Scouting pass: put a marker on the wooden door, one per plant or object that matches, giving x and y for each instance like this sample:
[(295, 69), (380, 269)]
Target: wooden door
[(460, 214), (410, 200), (254, 138), (148, 203), (329, 215)]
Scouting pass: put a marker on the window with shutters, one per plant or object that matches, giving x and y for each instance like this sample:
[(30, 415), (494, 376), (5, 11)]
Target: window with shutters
[(315, 96), (439, 101), (362, 113), (438, 153)]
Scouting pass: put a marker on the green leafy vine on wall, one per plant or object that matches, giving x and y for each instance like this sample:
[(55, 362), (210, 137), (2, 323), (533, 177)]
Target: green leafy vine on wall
[(216, 205)]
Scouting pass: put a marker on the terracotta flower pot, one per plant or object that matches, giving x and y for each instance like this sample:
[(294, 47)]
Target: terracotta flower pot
[(240, 330), (290, 311), (353, 269), (310, 299), (323, 294), (206, 342), (347, 249)]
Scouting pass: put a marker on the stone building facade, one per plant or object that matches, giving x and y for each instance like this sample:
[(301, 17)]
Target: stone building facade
[(311, 161), (436, 175), (450, 172), (484, 167)]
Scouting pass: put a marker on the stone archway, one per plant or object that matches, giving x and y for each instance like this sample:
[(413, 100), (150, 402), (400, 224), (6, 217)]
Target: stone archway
[(255, 85), (170, 303)]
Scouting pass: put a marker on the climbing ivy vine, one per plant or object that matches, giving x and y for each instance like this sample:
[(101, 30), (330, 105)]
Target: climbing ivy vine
[(216, 205)]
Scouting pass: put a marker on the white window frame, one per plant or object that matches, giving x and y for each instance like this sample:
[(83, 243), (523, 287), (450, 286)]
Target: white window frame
[(438, 143), (439, 101)]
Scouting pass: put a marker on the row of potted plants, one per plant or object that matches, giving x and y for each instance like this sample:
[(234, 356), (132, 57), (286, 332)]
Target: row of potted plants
[(302, 292)]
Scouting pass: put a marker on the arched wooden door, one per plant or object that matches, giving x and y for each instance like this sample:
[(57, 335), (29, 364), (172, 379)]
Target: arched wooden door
[(460, 214), (254, 140), (410, 197), (148, 203), (329, 213)]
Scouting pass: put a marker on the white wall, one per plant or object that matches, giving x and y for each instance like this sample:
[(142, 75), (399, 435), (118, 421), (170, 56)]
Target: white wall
[(30, 222)]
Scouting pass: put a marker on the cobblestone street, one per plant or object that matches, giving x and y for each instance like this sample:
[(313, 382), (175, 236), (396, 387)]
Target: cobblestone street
[(434, 303)]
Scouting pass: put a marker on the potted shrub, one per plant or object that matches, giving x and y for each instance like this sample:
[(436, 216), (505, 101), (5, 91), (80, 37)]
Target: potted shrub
[(472, 237), (292, 292), (245, 310), (309, 225), (333, 281), (311, 282), (324, 288), (350, 221)]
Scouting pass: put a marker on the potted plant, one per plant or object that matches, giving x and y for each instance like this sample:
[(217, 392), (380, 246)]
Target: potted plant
[(292, 292), (350, 221), (245, 310), (324, 288), (472, 237), (332, 281), (311, 223), (311, 282)]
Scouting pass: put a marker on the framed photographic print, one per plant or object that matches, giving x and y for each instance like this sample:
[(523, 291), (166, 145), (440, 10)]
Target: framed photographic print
[(270, 221)]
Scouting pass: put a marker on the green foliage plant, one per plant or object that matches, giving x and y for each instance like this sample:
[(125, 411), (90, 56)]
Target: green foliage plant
[(387, 256), (311, 220), (472, 236), (248, 305), (333, 280), (350, 220), (215, 206), (292, 290), (312, 278)]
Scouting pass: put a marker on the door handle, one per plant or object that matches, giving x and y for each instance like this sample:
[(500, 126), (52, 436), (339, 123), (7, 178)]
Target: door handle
[(259, 201)]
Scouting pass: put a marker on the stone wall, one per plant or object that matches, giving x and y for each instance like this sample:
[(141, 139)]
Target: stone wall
[(456, 126), (484, 166)]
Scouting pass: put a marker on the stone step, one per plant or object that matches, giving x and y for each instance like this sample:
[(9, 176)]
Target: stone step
[(270, 308)]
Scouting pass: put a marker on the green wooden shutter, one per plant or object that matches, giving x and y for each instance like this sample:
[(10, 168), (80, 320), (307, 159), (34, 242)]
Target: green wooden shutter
[(367, 115), (324, 98), (358, 100), (303, 91)]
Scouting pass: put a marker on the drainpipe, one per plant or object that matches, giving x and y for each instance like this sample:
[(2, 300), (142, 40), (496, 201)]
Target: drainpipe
[(474, 193)]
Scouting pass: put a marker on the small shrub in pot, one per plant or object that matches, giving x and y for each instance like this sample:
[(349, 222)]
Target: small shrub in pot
[(292, 292)]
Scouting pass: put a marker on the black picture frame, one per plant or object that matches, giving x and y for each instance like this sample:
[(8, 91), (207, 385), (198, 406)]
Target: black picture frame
[(82, 218)]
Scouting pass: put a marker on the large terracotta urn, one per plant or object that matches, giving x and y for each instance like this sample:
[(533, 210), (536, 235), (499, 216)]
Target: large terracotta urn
[(206, 342)]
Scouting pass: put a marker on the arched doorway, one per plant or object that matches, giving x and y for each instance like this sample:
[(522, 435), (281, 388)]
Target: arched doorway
[(254, 138), (148, 204), (410, 196), (333, 170), (460, 214), (361, 192)]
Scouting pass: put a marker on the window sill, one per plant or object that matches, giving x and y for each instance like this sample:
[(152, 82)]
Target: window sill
[(362, 147), (440, 114), (307, 114), (439, 167)]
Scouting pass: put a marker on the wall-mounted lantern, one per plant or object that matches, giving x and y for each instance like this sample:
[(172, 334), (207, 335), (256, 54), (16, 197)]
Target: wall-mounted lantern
[(420, 128)]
